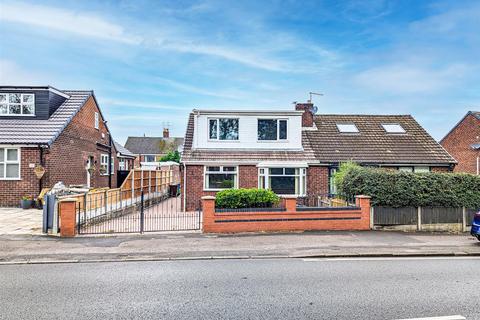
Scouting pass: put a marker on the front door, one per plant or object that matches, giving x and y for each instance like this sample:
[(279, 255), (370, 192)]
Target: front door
[(89, 167)]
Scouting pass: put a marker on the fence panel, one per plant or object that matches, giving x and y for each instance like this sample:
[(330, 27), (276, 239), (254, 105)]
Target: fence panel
[(435, 215), (469, 216), (395, 216)]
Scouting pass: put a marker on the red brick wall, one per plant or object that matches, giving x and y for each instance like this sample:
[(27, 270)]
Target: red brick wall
[(458, 144), (68, 155), (289, 220), (11, 191), (317, 182)]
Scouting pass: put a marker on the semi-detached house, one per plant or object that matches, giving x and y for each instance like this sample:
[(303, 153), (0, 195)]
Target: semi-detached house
[(49, 135), (296, 152)]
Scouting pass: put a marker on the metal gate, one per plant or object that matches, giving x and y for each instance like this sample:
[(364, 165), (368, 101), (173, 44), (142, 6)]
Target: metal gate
[(124, 212)]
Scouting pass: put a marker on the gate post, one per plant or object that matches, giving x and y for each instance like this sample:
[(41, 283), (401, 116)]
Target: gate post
[(142, 214), (67, 212)]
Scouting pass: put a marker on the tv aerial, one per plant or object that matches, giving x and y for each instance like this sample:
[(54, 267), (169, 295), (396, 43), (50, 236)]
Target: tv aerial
[(314, 109)]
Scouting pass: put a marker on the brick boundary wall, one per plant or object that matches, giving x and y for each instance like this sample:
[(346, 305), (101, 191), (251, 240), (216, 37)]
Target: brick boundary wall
[(291, 219)]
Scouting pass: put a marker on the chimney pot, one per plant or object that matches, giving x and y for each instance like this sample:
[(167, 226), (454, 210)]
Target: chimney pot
[(166, 133)]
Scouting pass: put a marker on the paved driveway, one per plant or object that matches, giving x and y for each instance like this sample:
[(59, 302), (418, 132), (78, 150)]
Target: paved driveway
[(19, 221)]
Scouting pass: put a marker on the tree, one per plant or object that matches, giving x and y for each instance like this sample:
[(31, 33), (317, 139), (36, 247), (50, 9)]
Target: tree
[(171, 156)]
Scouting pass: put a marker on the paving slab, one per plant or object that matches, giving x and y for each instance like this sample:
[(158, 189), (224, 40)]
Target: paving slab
[(199, 246)]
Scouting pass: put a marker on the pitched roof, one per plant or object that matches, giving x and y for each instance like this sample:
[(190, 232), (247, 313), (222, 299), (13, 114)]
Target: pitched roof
[(122, 150), (153, 145), (241, 155), (373, 144), (44, 132), (476, 114)]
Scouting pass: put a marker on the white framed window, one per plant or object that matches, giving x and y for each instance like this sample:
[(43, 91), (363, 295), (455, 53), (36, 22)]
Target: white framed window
[(272, 129), (111, 169), (283, 181), (9, 163), (347, 128), (220, 177), (393, 128), (422, 169), (149, 158), (122, 164), (17, 104), (97, 120), (405, 169), (223, 129), (104, 169)]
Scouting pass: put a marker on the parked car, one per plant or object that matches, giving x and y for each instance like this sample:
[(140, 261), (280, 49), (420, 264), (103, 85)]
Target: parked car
[(475, 231)]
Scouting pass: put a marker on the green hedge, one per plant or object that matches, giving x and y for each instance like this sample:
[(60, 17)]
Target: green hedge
[(246, 198), (401, 189)]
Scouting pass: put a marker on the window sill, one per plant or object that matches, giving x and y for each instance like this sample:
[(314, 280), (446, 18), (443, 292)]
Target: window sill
[(216, 190), (272, 141), (10, 179), (213, 140), (17, 115)]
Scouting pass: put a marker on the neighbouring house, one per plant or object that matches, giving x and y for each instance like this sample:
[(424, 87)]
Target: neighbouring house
[(463, 143), (296, 152), (49, 135), (152, 149), (125, 157)]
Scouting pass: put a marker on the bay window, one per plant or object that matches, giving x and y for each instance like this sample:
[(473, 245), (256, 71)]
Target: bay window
[(286, 181), (223, 129), (272, 129), (17, 104), (220, 177), (9, 163)]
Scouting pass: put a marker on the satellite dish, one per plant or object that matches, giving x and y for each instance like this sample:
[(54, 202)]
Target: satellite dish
[(314, 109)]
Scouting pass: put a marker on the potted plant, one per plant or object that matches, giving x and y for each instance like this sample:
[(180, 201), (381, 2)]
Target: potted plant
[(26, 202)]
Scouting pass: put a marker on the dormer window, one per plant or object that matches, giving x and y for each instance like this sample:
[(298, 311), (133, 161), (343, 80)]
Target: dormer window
[(272, 129), (393, 128), (347, 128), (223, 129), (17, 104)]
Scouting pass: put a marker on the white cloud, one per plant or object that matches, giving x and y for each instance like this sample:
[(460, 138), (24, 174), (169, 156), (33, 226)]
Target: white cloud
[(406, 79), (12, 74), (63, 20)]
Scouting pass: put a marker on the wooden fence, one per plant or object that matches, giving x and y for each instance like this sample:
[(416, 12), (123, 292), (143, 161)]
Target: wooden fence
[(390, 216), (151, 182)]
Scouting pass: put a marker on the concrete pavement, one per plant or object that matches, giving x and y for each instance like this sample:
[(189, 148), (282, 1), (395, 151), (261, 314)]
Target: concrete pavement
[(39, 249), (374, 289)]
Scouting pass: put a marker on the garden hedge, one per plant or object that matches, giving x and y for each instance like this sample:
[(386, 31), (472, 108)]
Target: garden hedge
[(246, 198), (403, 189)]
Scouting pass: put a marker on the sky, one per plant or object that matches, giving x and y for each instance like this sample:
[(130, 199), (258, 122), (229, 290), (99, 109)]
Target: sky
[(151, 62)]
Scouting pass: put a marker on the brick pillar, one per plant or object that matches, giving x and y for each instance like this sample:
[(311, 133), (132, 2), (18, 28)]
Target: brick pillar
[(364, 203), (290, 203), (208, 211), (67, 212)]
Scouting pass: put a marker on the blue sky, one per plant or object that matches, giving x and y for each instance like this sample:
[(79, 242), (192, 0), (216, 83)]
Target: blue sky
[(151, 62)]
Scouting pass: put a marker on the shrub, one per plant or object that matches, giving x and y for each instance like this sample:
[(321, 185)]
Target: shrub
[(171, 156), (403, 189), (246, 198)]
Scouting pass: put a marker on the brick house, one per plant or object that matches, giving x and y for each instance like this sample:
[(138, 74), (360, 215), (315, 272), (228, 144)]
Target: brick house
[(152, 149), (463, 143), (61, 133), (125, 157), (296, 152)]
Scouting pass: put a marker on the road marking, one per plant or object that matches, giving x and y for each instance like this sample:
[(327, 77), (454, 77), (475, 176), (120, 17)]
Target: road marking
[(390, 258), (457, 317)]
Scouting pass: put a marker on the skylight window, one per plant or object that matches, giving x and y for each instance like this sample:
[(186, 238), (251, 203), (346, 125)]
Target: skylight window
[(347, 128), (393, 128)]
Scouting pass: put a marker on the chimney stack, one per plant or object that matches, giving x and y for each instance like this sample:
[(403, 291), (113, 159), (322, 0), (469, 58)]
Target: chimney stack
[(166, 133), (307, 116)]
